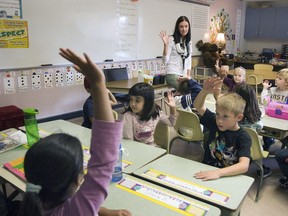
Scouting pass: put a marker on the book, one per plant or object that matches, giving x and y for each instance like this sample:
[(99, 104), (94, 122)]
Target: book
[(11, 138), (16, 167)]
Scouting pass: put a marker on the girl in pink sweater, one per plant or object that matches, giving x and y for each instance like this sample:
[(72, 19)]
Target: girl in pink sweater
[(56, 184)]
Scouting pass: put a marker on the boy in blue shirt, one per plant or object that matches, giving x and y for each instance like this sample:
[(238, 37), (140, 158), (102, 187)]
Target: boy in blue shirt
[(187, 91), (228, 145), (88, 105)]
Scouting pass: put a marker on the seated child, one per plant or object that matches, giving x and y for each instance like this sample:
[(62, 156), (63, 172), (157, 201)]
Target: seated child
[(53, 166), (88, 105), (238, 76), (228, 145), (252, 114), (187, 91), (142, 115), (278, 93)]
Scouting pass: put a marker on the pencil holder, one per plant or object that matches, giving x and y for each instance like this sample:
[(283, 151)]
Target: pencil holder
[(31, 126)]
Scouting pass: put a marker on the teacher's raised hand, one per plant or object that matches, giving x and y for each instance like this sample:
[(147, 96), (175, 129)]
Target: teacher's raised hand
[(164, 37)]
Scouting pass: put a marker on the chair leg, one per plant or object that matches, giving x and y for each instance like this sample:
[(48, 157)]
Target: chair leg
[(4, 189), (171, 144), (260, 182)]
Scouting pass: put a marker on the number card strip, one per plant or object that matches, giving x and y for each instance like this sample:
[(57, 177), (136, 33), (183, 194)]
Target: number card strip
[(161, 197), (187, 186)]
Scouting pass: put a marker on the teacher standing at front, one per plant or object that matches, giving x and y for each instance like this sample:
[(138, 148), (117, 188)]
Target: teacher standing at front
[(177, 51)]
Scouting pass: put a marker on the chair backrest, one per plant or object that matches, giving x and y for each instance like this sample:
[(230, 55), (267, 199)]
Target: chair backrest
[(265, 70), (188, 126), (257, 152), (254, 79), (263, 67), (115, 114), (115, 74), (162, 136)]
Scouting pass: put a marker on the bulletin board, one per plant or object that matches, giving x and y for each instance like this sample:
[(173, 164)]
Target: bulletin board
[(110, 29)]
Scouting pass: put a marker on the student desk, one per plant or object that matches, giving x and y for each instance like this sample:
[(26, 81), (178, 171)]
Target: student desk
[(7, 175), (139, 154), (135, 154), (142, 198), (176, 173), (123, 86)]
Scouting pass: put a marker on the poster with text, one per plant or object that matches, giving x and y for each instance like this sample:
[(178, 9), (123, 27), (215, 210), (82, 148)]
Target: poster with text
[(10, 9), (13, 34)]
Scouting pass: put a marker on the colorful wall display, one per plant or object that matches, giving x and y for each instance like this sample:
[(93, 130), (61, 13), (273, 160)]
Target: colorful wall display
[(13, 34)]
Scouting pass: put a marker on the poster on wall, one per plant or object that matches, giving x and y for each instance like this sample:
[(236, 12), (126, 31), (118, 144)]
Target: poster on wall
[(13, 34), (10, 9)]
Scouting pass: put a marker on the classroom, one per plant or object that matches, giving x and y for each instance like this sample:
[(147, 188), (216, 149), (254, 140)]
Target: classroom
[(125, 39)]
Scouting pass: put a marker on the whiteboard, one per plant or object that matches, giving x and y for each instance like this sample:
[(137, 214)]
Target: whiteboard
[(95, 27)]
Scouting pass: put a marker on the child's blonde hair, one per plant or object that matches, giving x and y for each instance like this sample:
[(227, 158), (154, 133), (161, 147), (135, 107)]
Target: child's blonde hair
[(231, 102), (284, 73), (243, 70)]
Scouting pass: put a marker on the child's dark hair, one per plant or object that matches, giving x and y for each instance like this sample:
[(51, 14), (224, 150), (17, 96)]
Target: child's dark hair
[(53, 164), (184, 88), (150, 109), (252, 112)]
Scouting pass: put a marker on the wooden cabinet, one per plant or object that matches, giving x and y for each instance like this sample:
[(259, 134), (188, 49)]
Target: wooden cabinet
[(259, 23), (281, 23)]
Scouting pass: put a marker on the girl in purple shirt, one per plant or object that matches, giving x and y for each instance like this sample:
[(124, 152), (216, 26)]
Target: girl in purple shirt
[(56, 184)]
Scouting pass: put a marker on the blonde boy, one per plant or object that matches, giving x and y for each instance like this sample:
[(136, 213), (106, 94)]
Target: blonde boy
[(228, 145)]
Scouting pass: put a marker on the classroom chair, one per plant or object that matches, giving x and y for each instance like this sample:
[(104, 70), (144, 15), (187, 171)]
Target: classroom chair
[(117, 74), (115, 114), (187, 129), (255, 80), (162, 136), (257, 154)]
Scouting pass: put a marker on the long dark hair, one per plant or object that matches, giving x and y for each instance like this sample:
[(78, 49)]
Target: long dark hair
[(177, 34), (150, 109), (53, 163), (252, 112)]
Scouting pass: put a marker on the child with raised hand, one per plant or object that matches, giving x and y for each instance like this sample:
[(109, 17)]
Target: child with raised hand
[(56, 184), (88, 105), (278, 93), (238, 76), (187, 91), (228, 145), (142, 115)]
